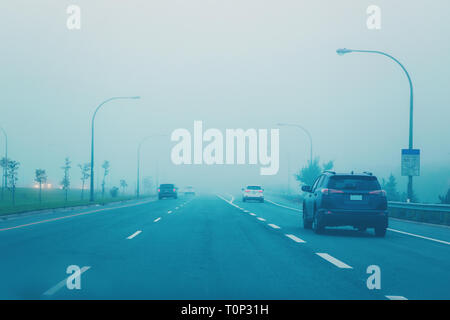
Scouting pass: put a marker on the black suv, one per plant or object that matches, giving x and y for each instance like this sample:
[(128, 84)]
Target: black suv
[(167, 191), (345, 200)]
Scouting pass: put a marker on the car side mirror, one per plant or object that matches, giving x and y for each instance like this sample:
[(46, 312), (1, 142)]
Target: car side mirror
[(306, 188)]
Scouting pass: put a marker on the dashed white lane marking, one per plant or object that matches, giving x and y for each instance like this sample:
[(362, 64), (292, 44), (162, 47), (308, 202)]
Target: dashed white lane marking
[(418, 236), (274, 226), (283, 206), (62, 283), (246, 211), (396, 298), (261, 219), (252, 214), (134, 235), (176, 208), (334, 261), (157, 219), (296, 239), (169, 211)]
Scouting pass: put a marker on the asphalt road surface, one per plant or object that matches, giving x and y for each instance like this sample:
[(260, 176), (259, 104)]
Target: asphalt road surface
[(215, 246)]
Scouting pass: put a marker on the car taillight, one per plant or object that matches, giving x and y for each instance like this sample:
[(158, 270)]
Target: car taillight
[(159, 190), (259, 190), (380, 192), (247, 190), (330, 191), (173, 190)]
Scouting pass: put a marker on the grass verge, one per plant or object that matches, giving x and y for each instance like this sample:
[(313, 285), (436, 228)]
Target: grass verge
[(27, 199)]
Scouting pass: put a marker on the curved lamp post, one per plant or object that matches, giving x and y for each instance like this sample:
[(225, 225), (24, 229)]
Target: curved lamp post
[(345, 51), (139, 160), (307, 133), (92, 140)]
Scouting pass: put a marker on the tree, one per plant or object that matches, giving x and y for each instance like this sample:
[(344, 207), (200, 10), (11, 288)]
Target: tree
[(85, 174), (114, 192), (309, 173), (390, 187), (445, 199), (4, 164), (41, 177), (12, 176), (123, 185), (106, 168), (65, 183)]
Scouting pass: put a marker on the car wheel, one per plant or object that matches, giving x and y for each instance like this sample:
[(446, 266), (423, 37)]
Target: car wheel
[(243, 200), (380, 232), (307, 224), (317, 225)]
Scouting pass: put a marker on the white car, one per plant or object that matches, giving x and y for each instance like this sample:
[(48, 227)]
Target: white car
[(253, 193), (189, 190)]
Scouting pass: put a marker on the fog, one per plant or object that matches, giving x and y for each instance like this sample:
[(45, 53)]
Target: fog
[(231, 64)]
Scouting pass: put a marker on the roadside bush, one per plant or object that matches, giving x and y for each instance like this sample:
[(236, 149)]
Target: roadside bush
[(114, 192)]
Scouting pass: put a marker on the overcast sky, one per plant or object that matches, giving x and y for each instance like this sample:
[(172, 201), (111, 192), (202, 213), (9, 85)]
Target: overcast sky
[(232, 64)]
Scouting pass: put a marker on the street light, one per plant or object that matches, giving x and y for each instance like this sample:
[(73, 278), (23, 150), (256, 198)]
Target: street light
[(344, 51), (5, 168), (139, 159), (92, 140), (307, 133)]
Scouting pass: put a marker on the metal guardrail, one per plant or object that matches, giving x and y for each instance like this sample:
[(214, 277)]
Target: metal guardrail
[(420, 206)]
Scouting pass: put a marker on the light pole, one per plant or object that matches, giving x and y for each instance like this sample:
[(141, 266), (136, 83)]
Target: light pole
[(344, 51), (139, 160), (5, 168), (92, 141), (307, 133)]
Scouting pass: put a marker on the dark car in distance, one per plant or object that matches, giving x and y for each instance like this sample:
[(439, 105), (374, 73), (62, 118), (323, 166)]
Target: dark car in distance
[(167, 190), (345, 199)]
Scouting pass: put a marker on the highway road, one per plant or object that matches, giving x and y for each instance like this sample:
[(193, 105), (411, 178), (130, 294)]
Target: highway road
[(214, 246)]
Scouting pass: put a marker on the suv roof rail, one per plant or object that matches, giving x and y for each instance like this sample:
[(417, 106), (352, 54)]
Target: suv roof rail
[(329, 171), (368, 173)]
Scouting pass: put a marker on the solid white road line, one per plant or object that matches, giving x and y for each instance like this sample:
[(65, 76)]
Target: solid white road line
[(283, 206), (296, 239), (134, 235), (334, 261), (261, 219), (62, 283), (273, 226), (396, 298), (76, 215), (418, 236), (157, 219)]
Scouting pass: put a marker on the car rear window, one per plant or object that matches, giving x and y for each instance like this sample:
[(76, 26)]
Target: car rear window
[(167, 186), (254, 188), (354, 183)]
